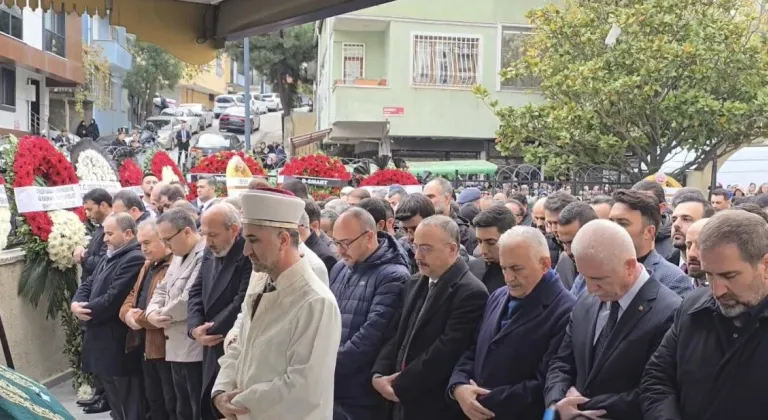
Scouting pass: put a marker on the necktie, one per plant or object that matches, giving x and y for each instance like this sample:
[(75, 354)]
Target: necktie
[(509, 311), (431, 290), (605, 334)]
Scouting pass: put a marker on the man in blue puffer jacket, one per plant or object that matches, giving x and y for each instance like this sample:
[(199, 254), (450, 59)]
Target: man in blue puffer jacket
[(368, 284)]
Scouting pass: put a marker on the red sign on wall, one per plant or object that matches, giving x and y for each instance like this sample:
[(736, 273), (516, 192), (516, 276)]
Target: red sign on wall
[(394, 111)]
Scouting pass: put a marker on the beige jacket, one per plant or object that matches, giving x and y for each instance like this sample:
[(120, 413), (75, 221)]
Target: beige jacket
[(170, 298), (285, 358)]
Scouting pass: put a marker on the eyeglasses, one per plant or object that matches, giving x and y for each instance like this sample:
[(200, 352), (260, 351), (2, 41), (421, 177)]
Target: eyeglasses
[(167, 241), (346, 243)]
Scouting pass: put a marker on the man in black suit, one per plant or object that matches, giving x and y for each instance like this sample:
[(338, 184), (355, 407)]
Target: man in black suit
[(439, 321), (613, 331), (183, 136), (489, 225), (309, 233), (503, 374), (571, 219), (218, 292)]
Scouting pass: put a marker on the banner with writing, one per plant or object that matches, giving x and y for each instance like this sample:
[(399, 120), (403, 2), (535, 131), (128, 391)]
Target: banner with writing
[(29, 199), (220, 178), (318, 182), (237, 186), (111, 187)]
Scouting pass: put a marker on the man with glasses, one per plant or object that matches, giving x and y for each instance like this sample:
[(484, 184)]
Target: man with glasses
[(368, 286), (438, 323), (168, 309)]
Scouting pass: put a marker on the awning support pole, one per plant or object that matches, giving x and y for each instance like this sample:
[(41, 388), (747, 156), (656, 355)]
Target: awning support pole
[(247, 89)]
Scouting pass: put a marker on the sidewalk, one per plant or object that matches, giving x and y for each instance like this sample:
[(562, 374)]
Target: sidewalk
[(66, 395)]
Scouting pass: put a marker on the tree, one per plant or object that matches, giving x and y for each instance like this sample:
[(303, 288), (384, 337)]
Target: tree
[(282, 58), (96, 69), (682, 75), (153, 70)]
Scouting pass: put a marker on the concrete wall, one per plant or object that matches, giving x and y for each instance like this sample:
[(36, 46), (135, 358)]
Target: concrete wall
[(36, 343)]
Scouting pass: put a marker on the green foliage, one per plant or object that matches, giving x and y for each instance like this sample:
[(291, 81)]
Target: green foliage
[(282, 56), (154, 70), (97, 78), (683, 74)]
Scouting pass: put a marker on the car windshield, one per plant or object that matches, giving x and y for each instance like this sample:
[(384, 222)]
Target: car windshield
[(224, 100), (267, 96), (174, 112), (160, 124), (212, 140)]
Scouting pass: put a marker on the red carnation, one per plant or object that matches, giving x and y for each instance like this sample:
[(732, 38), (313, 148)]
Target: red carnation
[(217, 164), (130, 173), (386, 177)]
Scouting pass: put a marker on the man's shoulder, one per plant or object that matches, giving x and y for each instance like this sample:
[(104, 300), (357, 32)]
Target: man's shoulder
[(470, 284), (665, 296)]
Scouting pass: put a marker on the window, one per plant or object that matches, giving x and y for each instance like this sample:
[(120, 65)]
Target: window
[(511, 50), (11, 21), (353, 62), (219, 67), (53, 33), (7, 87), (445, 61)]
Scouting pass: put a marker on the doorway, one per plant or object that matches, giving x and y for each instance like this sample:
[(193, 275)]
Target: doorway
[(34, 108)]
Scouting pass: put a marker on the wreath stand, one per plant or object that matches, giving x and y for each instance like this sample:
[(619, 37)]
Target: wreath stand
[(6, 347)]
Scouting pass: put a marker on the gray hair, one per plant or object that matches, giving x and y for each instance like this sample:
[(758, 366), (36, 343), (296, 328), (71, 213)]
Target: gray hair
[(380, 192), (124, 222), (338, 205), (330, 215), (129, 199), (749, 232), (444, 184), (235, 202), (367, 223), (230, 213), (178, 218), (149, 224), (605, 240), (186, 206), (537, 243), (397, 191), (445, 223)]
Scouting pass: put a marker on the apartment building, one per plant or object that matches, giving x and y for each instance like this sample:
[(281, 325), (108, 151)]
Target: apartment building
[(39, 51), (410, 66)]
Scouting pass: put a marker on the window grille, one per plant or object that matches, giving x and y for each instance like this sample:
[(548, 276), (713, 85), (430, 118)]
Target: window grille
[(445, 61), (353, 62)]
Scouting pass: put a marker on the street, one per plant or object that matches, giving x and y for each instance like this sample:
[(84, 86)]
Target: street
[(269, 131)]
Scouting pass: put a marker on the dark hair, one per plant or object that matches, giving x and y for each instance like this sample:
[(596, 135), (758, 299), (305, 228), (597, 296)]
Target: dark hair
[(745, 230), (173, 192), (209, 180), (178, 218), (496, 216), (129, 199), (685, 193), (722, 192), (375, 207), (651, 187), (516, 202), (578, 211), (762, 200), (312, 210), (360, 193), (752, 208), (147, 175), (558, 201), (298, 188), (413, 205), (602, 199), (98, 196), (521, 199), (697, 197), (393, 191), (387, 207), (646, 204)]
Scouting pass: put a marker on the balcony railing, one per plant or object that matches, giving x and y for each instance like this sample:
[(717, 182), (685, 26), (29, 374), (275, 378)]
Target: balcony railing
[(54, 43), (117, 54), (361, 82)]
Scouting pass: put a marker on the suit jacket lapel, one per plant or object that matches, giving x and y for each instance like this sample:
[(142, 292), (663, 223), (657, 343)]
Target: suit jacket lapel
[(443, 287), (221, 279)]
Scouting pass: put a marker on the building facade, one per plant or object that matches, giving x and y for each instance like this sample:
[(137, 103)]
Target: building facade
[(413, 65), (210, 82), (39, 51)]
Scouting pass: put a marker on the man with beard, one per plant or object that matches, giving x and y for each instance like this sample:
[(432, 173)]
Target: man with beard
[(282, 365), (692, 254), (663, 244), (712, 362), (97, 302), (573, 217), (554, 204), (489, 226), (154, 198), (440, 192), (312, 236), (217, 293), (147, 185), (540, 223), (126, 201), (688, 209), (602, 206)]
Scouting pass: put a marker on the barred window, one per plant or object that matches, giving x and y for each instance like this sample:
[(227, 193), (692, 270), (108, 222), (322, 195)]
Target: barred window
[(511, 50), (445, 61), (353, 65)]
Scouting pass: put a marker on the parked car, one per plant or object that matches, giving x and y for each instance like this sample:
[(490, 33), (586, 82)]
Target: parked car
[(233, 119), (258, 104), (223, 102), (194, 123), (202, 111), (207, 144), (166, 127), (272, 100)]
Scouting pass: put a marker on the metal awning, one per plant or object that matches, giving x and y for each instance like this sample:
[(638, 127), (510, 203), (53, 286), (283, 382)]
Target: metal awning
[(192, 30), (448, 168)]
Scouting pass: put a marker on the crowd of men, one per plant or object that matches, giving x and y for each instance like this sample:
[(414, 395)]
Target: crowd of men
[(273, 306)]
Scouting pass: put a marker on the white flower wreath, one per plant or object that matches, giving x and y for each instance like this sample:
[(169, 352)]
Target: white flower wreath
[(169, 176), (68, 232), (5, 225), (92, 166)]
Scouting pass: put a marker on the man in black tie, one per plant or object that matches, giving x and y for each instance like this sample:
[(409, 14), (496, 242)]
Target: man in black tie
[(442, 309), (613, 330), (182, 142), (218, 292)]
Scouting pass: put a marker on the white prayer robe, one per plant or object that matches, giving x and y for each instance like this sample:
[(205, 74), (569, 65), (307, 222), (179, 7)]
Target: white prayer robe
[(285, 356)]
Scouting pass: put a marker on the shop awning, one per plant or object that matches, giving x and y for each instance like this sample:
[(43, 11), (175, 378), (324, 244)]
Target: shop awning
[(448, 168), (192, 30)]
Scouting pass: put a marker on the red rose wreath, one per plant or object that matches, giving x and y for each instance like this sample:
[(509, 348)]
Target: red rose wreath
[(387, 177), (217, 164), (317, 166), (157, 160), (131, 174)]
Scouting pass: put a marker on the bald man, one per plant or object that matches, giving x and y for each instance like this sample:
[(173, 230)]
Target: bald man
[(692, 265), (539, 222), (613, 330)]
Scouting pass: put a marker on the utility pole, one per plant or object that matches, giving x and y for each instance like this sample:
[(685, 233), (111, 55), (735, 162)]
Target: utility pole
[(247, 88)]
